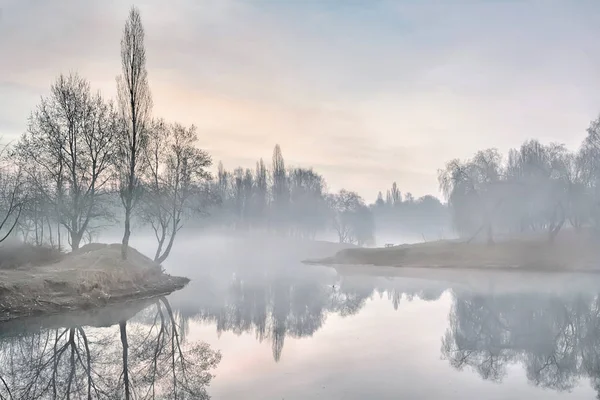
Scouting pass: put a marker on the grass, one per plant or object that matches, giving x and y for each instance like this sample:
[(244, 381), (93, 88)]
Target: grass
[(570, 251), (42, 281), (15, 255)]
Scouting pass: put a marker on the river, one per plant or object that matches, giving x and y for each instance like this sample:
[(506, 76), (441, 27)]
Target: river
[(269, 327)]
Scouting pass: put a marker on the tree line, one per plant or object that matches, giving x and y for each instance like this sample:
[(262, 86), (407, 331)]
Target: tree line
[(87, 162), (288, 201), (534, 188), (295, 201)]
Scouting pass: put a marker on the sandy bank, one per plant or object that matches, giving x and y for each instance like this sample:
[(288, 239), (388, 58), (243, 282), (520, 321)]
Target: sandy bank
[(91, 277), (569, 253)]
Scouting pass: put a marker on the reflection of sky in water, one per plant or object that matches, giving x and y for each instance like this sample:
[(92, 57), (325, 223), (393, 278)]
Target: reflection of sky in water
[(291, 331), (377, 353), (348, 356)]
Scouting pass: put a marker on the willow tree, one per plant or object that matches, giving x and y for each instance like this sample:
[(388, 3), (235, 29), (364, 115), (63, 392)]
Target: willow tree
[(135, 103), (472, 190)]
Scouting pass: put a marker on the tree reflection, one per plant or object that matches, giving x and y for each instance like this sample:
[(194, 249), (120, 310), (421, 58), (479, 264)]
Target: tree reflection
[(277, 303), (556, 339), (167, 366), (129, 360), (51, 364)]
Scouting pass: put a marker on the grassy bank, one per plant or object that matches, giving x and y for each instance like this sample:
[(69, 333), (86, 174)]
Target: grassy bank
[(36, 281), (570, 252)]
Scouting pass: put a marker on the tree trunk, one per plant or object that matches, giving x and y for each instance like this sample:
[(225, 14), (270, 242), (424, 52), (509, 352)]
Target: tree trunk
[(58, 235), (127, 234), (125, 345), (161, 242), (35, 227), (50, 231), (75, 241), (164, 256), (556, 227)]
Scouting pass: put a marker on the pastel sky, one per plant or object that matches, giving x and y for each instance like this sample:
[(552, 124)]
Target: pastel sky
[(365, 91)]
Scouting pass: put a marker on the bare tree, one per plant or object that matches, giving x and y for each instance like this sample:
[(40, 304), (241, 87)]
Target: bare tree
[(36, 214), (70, 143), (351, 218), (135, 103), (175, 181), (12, 197)]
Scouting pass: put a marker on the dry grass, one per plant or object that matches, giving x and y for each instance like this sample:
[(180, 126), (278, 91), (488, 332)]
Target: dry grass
[(569, 252), (94, 275), (16, 255)]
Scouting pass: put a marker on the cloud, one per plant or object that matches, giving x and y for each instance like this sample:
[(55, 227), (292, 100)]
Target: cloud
[(366, 92)]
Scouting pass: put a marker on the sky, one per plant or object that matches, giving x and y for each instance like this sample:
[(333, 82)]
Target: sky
[(366, 92)]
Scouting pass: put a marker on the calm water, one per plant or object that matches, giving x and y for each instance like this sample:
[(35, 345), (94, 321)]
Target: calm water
[(269, 327)]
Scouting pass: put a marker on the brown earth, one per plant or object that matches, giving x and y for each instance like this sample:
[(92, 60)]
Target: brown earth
[(90, 277)]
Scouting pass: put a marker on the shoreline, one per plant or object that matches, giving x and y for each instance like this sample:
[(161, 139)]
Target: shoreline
[(89, 278), (448, 267), (569, 253)]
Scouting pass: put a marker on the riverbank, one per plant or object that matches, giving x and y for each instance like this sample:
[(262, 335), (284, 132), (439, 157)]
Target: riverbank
[(90, 277), (570, 252)]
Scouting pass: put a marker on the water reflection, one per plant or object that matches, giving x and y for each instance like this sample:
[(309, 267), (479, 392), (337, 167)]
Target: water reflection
[(145, 351), (556, 339), (128, 360), (277, 303)]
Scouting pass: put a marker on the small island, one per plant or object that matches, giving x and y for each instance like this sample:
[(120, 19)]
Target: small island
[(38, 281)]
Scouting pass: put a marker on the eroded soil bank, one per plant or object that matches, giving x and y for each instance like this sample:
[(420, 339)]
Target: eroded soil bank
[(93, 276)]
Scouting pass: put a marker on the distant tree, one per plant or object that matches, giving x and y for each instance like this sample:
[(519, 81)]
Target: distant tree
[(544, 176), (537, 188), (410, 218), (135, 103), (261, 197), (280, 190), (396, 195), (351, 219), (470, 188), (363, 226), (307, 202), (588, 162), (380, 202), (238, 196)]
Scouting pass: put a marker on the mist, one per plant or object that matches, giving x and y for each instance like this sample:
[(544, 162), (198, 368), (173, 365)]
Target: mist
[(153, 253)]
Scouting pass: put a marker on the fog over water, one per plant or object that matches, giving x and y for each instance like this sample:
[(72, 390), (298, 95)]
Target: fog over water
[(294, 331), (231, 140)]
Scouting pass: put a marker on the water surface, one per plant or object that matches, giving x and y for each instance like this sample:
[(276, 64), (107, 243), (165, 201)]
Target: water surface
[(269, 327)]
